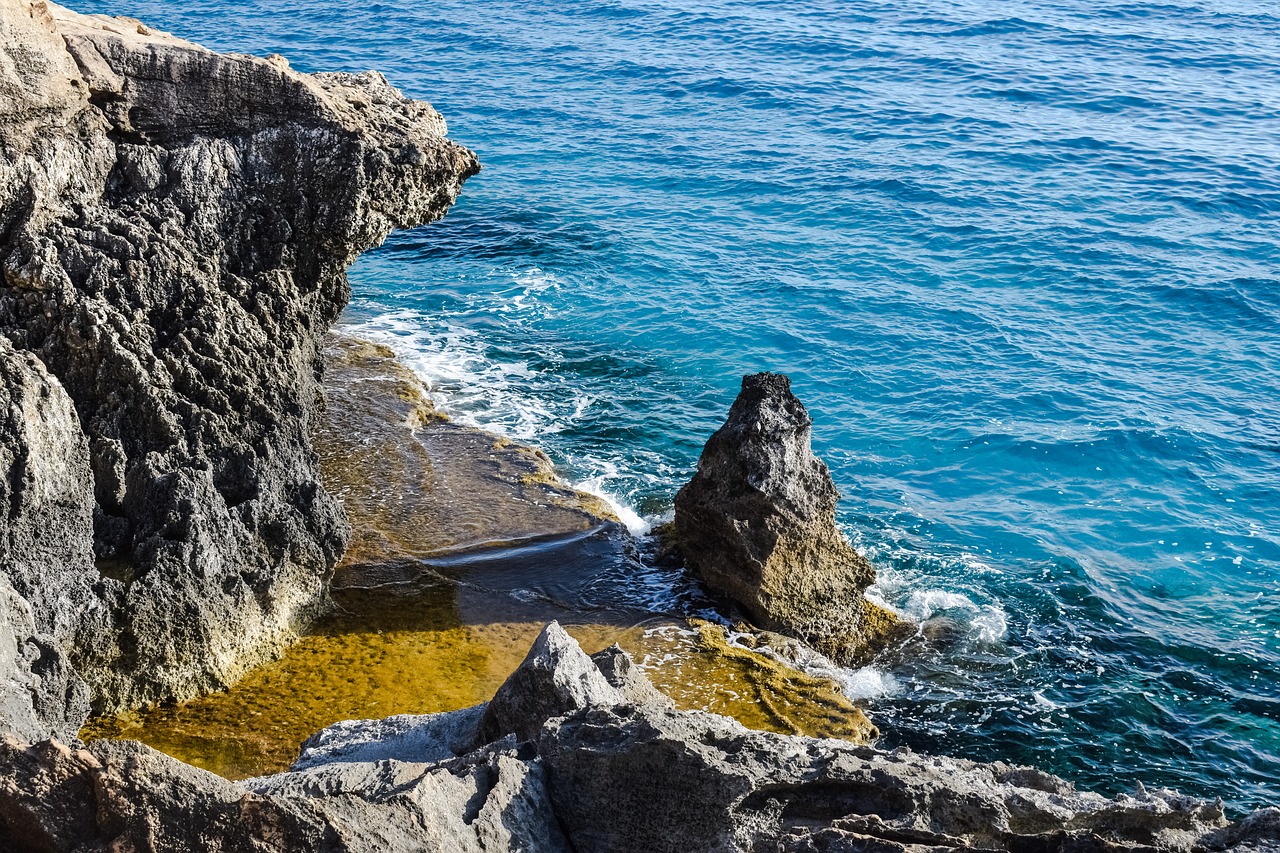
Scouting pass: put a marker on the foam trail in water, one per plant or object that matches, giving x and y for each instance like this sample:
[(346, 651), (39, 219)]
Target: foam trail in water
[(633, 521), (471, 388)]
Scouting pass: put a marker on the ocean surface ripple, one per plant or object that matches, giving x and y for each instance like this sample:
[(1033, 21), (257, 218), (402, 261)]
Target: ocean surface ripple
[(1020, 260)]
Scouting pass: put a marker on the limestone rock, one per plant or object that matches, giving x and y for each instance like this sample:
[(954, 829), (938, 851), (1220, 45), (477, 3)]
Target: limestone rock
[(621, 671), (425, 738), (40, 693), (599, 779), (757, 523), (645, 779), (556, 678), (126, 796), (175, 226)]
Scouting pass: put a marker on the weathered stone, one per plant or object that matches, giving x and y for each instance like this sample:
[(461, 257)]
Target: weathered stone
[(556, 678), (600, 779), (40, 694), (621, 671), (175, 226), (645, 779), (121, 795), (757, 523), (425, 738), (46, 500)]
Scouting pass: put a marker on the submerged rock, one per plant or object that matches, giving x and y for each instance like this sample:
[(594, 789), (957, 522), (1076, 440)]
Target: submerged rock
[(757, 523), (175, 226), (441, 488)]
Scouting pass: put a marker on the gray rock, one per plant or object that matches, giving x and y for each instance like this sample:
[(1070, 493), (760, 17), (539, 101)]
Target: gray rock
[(645, 779), (40, 694), (599, 779), (621, 671), (425, 738), (46, 499), (175, 226), (757, 523), (556, 678), (126, 796), (492, 799)]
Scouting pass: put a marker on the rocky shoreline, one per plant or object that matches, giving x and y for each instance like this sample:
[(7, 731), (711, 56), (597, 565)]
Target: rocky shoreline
[(175, 228)]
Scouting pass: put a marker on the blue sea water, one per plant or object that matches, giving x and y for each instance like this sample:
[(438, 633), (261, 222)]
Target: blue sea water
[(1020, 259)]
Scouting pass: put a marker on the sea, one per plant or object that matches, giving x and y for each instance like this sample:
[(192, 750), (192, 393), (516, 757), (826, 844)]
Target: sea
[(1020, 259)]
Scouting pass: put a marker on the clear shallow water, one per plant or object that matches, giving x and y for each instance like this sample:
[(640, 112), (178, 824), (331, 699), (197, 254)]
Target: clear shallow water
[(1020, 260)]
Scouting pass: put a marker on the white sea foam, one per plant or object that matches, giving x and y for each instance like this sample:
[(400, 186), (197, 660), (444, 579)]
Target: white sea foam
[(986, 622), (463, 382), (595, 485), (868, 683)]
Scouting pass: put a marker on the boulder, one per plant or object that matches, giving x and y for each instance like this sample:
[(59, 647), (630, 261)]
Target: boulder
[(757, 524), (556, 678)]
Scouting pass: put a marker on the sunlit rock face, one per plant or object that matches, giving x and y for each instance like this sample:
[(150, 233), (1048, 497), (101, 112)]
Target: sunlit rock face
[(758, 524)]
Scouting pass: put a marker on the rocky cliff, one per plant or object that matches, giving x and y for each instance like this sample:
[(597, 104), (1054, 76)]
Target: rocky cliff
[(175, 226)]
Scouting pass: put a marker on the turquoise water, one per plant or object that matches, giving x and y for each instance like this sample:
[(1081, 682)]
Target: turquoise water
[(1019, 259)]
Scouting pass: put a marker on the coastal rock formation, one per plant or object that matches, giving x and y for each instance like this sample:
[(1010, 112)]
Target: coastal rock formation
[(556, 678), (175, 226), (595, 778), (46, 548), (757, 523), (443, 488)]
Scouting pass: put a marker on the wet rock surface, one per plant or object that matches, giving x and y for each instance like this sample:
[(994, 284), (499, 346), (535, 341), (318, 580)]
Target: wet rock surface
[(627, 776), (175, 226), (442, 487), (757, 524)]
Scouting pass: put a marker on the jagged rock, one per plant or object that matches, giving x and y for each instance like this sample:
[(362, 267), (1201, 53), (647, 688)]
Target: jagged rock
[(599, 779), (175, 227), (556, 678), (757, 523), (645, 779), (121, 795), (40, 694), (425, 738), (621, 671), (494, 798)]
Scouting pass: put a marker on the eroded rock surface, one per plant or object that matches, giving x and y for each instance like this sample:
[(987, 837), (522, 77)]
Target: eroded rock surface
[(757, 523), (175, 226), (629, 777), (442, 488)]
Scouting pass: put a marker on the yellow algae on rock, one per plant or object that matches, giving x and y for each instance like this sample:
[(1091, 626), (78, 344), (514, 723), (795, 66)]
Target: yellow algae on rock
[(702, 670)]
